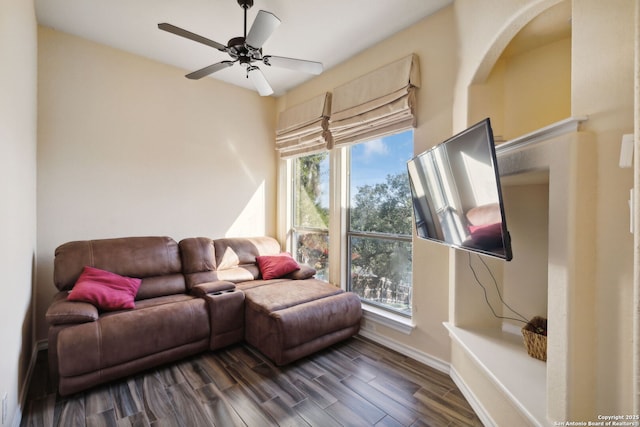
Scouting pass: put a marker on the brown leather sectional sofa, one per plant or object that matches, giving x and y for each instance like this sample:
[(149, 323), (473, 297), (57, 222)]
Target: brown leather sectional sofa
[(197, 295)]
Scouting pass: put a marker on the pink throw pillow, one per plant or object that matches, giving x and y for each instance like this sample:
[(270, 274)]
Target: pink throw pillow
[(274, 266), (107, 291)]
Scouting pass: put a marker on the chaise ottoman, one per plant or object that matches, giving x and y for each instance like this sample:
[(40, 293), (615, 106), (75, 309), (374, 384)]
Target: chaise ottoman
[(291, 319)]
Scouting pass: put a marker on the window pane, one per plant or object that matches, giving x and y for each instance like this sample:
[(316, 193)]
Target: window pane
[(380, 222), (312, 248), (381, 272), (311, 212), (379, 185), (311, 191)]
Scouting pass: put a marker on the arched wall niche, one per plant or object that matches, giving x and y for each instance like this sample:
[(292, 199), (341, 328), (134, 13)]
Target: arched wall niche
[(523, 81), (506, 35)]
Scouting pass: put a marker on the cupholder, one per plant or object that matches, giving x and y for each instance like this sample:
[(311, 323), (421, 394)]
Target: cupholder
[(223, 292)]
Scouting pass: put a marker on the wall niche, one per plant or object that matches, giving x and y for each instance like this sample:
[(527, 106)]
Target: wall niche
[(542, 156), (529, 87)]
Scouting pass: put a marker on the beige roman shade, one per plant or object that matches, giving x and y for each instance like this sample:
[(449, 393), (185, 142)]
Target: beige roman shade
[(304, 129), (379, 103)]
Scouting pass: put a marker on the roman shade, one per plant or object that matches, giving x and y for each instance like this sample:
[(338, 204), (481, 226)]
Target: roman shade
[(379, 103), (303, 129)]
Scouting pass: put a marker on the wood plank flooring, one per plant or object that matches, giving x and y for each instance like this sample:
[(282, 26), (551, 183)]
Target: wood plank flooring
[(354, 383)]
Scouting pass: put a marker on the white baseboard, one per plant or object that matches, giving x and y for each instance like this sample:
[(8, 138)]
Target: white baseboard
[(478, 407), (404, 349)]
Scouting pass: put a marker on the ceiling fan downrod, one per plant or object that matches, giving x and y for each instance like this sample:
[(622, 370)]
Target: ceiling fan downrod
[(246, 5)]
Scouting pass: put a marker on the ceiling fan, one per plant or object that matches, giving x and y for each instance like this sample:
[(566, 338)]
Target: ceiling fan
[(247, 49)]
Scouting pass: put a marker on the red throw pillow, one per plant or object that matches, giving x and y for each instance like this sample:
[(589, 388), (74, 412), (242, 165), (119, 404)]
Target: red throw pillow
[(107, 291), (274, 266)]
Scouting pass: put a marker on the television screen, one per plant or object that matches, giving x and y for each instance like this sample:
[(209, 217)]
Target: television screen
[(457, 199)]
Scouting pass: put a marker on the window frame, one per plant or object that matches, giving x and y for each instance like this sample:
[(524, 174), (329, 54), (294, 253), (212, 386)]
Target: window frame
[(386, 237), (294, 229), (339, 263), (348, 234)]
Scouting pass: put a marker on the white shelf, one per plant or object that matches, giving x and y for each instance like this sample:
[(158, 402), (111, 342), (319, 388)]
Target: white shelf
[(505, 361), (567, 125)]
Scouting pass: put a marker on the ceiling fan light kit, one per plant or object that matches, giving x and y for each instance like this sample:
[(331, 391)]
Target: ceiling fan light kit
[(247, 49)]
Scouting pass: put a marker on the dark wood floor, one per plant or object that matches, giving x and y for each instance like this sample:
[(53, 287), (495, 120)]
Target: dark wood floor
[(355, 383)]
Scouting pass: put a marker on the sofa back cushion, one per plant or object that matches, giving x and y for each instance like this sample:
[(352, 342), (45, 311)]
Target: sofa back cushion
[(230, 259), (236, 257), (155, 260), (198, 260)]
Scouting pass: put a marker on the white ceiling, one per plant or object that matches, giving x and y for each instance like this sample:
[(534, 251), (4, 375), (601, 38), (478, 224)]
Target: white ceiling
[(329, 31)]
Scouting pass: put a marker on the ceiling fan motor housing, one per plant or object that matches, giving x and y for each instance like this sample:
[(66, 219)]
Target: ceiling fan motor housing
[(245, 54), (245, 4)]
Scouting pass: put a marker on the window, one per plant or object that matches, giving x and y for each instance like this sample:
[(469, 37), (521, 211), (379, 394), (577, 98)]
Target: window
[(379, 229), (373, 243), (311, 212)]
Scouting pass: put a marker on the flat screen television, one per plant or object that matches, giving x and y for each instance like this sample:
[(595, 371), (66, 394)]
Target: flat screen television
[(456, 194)]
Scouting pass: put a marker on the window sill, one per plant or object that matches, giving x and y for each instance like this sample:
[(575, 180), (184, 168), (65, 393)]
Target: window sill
[(385, 318)]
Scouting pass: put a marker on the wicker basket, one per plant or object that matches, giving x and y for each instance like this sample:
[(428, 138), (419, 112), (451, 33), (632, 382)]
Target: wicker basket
[(536, 343)]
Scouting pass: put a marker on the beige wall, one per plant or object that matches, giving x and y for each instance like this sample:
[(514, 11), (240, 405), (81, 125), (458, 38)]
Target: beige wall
[(130, 147), (434, 40), (602, 88), (17, 195)]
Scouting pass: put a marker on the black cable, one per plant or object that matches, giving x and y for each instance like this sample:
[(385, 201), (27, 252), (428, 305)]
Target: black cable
[(486, 298), (495, 283)]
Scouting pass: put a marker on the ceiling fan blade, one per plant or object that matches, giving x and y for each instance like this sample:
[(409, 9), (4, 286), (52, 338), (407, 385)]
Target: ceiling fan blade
[(191, 36), (209, 70), (259, 81), (311, 67), (263, 26)]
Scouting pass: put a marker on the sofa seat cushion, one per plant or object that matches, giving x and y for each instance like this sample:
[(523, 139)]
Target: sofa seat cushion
[(287, 293), (154, 302), (250, 284), (120, 337)]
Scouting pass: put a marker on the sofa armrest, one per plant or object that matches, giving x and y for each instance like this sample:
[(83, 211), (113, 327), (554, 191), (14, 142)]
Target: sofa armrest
[(203, 289), (305, 272), (62, 312)]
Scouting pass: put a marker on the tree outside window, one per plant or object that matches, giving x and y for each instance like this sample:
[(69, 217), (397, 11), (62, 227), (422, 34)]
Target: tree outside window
[(380, 222), (311, 212)]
